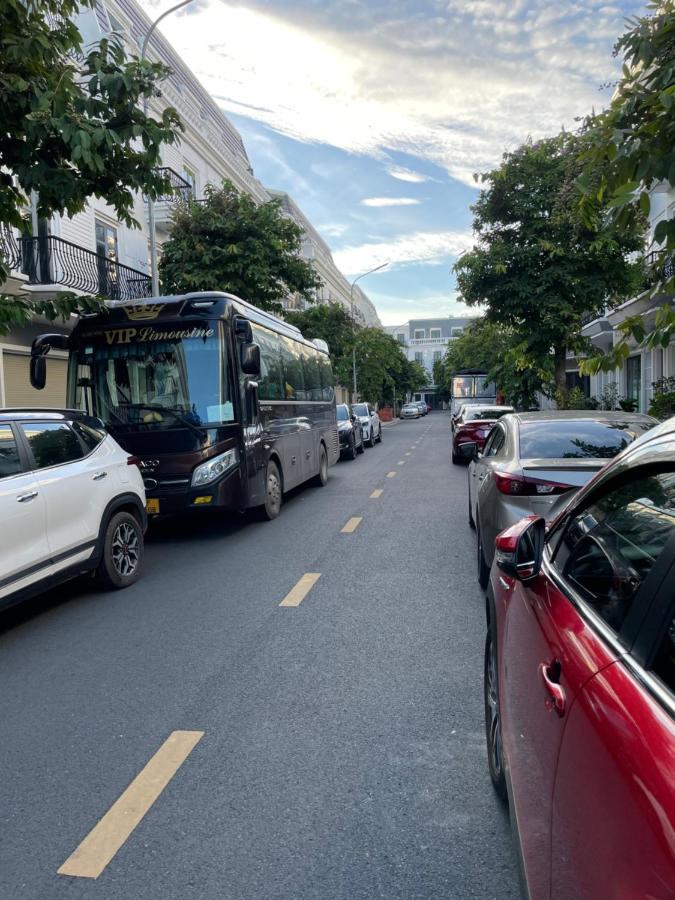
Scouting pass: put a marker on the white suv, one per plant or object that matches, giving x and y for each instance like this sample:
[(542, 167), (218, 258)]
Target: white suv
[(71, 501), (370, 423)]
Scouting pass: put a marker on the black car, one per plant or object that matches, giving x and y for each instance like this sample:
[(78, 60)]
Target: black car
[(349, 431)]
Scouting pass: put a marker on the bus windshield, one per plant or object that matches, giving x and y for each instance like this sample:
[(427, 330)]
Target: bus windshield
[(174, 378)]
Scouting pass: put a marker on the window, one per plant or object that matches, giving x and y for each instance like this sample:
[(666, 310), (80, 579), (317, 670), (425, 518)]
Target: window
[(608, 549), (434, 332), (52, 443), (577, 439), (400, 337), (106, 248), (10, 464), (89, 432), (312, 373), (190, 176), (633, 377), (438, 355), (419, 358), (291, 361), (495, 442), (419, 334), (664, 664), (270, 383), (456, 332)]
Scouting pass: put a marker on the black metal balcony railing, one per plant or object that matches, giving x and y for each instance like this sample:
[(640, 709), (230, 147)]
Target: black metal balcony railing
[(10, 250), (181, 189), (51, 260), (662, 268)]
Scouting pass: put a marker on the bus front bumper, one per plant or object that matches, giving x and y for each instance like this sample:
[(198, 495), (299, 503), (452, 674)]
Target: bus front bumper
[(178, 496)]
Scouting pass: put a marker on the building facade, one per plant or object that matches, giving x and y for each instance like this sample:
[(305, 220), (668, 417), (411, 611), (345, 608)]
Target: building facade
[(643, 367), (425, 341), (93, 252)]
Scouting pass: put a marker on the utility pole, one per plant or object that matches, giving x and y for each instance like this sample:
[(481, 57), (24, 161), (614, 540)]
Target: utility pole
[(351, 305)]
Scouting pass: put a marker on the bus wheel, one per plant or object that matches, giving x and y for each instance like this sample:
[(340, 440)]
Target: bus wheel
[(322, 478), (272, 506)]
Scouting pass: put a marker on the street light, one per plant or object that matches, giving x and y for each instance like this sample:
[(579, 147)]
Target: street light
[(151, 203), (351, 304)]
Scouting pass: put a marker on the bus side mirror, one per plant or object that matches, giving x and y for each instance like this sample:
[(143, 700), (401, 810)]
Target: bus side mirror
[(38, 372), (250, 359)]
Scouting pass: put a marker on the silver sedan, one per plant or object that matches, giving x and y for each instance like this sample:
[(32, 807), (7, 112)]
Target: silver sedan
[(531, 459)]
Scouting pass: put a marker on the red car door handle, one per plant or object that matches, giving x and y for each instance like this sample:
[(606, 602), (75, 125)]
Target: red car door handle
[(550, 676)]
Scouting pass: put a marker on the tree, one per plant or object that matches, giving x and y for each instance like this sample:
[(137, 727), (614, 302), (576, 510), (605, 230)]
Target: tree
[(328, 321), (493, 349), (71, 126), (537, 266), (231, 243), (630, 151)]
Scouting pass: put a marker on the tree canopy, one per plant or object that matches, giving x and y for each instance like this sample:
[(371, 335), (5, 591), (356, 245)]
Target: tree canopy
[(631, 149), (383, 370), (71, 126), (538, 266), (228, 242)]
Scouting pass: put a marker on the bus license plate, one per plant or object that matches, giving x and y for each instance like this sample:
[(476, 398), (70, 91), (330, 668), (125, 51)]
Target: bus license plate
[(152, 506)]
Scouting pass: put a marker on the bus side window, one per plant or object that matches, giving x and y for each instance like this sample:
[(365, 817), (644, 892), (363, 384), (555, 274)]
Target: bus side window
[(270, 383), (294, 382), (327, 378), (312, 373)]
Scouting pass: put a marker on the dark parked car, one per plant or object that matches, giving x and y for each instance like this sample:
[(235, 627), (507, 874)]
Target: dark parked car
[(350, 432), (530, 459), (580, 682)]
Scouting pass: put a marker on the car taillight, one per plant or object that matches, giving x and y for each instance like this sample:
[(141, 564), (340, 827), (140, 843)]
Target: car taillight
[(520, 486), (133, 461)]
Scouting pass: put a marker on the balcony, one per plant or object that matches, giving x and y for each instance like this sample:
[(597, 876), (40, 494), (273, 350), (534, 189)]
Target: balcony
[(661, 269), (49, 265), (438, 341), (181, 191), (10, 251)]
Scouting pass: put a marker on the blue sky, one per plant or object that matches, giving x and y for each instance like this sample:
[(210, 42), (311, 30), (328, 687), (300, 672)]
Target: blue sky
[(375, 115)]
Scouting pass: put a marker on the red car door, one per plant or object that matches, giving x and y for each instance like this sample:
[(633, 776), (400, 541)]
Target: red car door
[(613, 807), (547, 655)]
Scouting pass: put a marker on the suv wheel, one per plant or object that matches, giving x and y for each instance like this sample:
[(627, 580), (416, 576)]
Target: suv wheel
[(122, 551), (371, 438)]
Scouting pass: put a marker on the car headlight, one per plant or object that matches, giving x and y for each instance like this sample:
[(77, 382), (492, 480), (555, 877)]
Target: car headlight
[(214, 468)]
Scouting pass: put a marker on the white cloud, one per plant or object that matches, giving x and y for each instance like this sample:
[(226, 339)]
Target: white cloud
[(403, 174), (455, 87), (390, 201), (420, 247)]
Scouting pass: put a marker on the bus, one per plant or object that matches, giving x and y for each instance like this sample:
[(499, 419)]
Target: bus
[(471, 386), (224, 405)]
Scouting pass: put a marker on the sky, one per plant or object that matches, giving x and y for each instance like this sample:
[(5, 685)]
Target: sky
[(375, 115)]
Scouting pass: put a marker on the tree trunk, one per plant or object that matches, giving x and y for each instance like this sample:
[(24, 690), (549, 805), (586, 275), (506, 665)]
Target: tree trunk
[(559, 359)]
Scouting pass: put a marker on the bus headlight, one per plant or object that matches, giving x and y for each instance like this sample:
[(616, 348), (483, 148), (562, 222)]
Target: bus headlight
[(214, 468)]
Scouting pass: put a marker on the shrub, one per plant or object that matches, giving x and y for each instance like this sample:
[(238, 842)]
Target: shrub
[(663, 399)]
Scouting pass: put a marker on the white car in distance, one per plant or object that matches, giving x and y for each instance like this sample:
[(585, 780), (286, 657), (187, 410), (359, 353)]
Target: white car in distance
[(71, 501), (370, 423)]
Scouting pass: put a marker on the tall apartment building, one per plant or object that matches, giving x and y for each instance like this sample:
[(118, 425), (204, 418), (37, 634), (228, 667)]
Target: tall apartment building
[(642, 367), (425, 341), (95, 253)]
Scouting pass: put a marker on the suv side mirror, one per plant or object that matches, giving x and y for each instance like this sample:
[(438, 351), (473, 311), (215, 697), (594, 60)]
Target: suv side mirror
[(250, 359), (519, 549)]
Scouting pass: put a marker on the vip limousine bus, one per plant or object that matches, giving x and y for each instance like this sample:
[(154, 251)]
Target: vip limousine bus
[(224, 405), (470, 386)]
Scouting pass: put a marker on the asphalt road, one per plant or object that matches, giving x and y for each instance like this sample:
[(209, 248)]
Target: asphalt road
[(343, 751)]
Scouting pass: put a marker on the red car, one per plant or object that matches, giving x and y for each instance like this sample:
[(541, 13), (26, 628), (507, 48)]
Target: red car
[(580, 683), (473, 426)]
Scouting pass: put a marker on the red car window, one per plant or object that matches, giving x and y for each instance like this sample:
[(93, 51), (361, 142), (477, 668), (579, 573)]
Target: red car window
[(609, 548)]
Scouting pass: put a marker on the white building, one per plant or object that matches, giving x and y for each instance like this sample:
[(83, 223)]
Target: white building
[(95, 253), (336, 288), (425, 341), (634, 379)]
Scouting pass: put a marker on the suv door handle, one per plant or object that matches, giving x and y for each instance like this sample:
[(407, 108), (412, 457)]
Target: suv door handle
[(98, 476), (25, 498), (551, 676)]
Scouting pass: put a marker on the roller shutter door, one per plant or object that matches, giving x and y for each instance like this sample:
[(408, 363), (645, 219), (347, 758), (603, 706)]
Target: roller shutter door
[(18, 390)]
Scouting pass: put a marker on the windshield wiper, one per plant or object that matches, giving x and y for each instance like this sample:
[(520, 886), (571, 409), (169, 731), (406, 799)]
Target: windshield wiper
[(195, 429)]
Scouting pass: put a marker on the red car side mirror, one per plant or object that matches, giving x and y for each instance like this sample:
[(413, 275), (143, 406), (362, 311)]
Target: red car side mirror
[(519, 549)]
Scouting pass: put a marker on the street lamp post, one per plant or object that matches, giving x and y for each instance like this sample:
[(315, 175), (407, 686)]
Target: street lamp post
[(151, 203), (351, 305)]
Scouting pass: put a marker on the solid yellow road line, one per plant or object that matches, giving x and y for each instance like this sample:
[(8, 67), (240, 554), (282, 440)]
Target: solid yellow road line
[(351, 525), (391, 474), (110, 833), (298, 593), (376, 493)]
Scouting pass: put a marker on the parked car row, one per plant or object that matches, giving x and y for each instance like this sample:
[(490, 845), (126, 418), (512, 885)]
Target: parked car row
[(358, 426), (414, 409), (575, 521)]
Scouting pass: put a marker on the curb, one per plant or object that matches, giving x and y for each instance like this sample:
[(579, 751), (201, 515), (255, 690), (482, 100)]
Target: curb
[(391, 424)]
